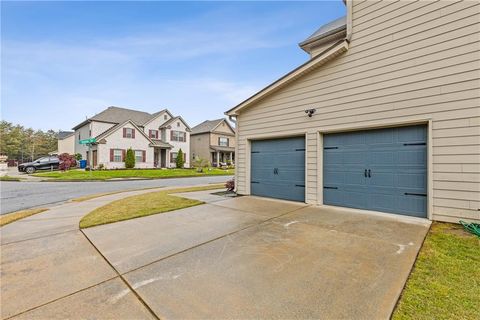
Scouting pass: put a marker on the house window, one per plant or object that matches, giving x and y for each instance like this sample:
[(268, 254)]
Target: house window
[(139, 156), (153, 134), (178, 124), (178, 136), (129, 133), (173, 156), (117, 155), (223, 142), (79, 137), (165, 117)]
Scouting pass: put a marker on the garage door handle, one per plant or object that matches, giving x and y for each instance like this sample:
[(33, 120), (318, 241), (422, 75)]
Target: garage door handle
[(369, 173), (365, 173)]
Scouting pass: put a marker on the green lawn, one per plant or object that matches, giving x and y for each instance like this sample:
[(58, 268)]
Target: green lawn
[(445, 282), (142, 205), (141, 173), (8, 178)]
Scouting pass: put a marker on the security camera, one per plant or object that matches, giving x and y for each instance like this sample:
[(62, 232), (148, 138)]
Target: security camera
[(310, 112)]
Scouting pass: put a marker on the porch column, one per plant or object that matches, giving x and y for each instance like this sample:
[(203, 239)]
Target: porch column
[(218, 158), (231, 156)]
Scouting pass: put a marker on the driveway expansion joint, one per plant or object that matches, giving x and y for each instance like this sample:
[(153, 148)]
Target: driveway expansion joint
[(122, 278), (60, 298), (39, 237)]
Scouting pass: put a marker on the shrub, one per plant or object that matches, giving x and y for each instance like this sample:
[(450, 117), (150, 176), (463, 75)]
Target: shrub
[(130, 159), (78, 156), (230, 185), (200, 164), (66, 161), (180, 160)]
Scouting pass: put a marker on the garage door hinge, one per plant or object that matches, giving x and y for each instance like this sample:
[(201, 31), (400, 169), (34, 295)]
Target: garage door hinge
[(415, 194), (326, 148), (330, 187)]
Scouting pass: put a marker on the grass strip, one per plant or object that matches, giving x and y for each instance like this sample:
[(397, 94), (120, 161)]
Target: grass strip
[(142, 205), (14, 216), (445, 281), (102, 175)]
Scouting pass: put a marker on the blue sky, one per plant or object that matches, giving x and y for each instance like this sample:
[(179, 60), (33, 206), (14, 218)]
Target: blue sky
[(63, 61)]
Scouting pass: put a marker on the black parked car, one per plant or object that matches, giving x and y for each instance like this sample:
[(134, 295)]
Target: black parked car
[(44, 163)]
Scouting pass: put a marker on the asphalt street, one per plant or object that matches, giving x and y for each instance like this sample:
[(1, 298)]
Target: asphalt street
[(23, 195)]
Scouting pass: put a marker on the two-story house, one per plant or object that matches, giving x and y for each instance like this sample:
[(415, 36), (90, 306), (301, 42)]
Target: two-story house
[(155, 138), (213, 140)]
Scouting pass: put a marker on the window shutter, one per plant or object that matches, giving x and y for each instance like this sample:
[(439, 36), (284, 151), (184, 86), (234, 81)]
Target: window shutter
[(124, 132), (185, 137), (156, 134), (171, 135), (228, 142), (218, 141), (133, 133), (111, 155), (123, 155), (144, 156)]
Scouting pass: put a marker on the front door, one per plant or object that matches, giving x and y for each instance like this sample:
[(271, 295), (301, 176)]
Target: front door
[(94, 158)]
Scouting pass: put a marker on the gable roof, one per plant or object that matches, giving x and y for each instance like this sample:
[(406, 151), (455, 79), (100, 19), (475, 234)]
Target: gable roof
[(209, 126), (118, 115), (328, 54), (64, 134), (119, 126), (169, 122), (325, 32), (156, 115)]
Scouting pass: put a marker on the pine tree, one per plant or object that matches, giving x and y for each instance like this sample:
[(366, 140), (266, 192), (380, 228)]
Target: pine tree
[(180, 160), (130, 159)]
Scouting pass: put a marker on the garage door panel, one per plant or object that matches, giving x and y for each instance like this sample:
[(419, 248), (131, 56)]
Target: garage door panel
[(396, 164), (278, 168)]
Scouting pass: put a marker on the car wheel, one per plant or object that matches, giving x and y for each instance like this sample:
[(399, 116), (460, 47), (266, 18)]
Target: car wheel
[(30, 170)]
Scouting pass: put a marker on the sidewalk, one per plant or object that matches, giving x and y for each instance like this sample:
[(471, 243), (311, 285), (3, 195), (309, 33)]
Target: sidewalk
[(47, 262)]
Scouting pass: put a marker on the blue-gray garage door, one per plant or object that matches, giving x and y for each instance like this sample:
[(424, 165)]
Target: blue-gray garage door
[(382, 170), (278, 168)]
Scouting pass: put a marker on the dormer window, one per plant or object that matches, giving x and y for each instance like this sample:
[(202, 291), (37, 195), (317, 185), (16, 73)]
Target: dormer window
[(178, 124), (165, 117), (129, 133)]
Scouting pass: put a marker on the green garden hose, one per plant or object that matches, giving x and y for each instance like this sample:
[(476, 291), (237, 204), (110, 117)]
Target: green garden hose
[(471, 227)]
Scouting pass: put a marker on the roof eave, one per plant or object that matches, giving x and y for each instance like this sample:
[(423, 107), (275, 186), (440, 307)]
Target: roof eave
[(322, 37)]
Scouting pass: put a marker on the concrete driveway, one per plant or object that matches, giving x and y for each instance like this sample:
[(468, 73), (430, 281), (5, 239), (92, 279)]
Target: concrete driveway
[(238, 258)]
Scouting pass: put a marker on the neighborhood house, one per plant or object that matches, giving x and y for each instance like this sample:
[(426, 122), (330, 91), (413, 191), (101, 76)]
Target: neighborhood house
[(384, 116), (213, 140), (154, 138)]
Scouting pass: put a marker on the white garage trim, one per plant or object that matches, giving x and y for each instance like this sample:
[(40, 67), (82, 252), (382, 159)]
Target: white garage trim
[(418, 121)]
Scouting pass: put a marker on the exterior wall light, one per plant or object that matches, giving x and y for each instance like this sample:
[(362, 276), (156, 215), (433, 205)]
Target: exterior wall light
[(310, 112)]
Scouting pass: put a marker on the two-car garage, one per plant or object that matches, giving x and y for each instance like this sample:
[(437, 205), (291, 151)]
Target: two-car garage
[(382, 170)]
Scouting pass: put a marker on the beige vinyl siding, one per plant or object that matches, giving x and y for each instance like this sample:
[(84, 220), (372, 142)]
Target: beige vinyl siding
[(407, 62)]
